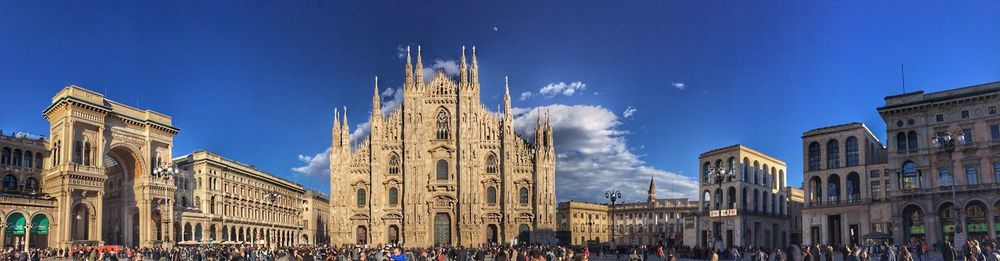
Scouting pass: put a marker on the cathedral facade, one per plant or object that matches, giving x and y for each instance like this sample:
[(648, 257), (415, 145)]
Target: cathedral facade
[(442, 169)]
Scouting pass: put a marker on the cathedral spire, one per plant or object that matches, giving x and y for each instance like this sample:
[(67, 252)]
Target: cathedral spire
[(345, 132), (463, 71), (652, 190), (335, 139), (409, 71), (506, 94), (474, 71), (420, 69), (376, 104)]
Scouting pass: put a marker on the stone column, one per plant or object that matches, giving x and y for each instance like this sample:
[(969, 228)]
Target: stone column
[(3, 230), (100, 216), (27, 234)]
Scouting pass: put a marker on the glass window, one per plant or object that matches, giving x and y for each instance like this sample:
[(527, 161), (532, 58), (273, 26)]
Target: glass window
[(901, 142), (9, 182), (394, 164), (996, 172), (971, 175), (443, 120), (939, 117), (995, 132), (911, 140), (852, 151), (945, 178), (965, 114), (491, 195), (491, 164), (993, 110), (968, 135), (442, 170), (361, 197), (814, 159), (874, 174), (911, 180), (832, 154), (876, 187), (393, 197), (523, 196)]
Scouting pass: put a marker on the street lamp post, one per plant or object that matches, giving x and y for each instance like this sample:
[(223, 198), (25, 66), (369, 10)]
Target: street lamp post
[(612, 195), (719, 174), (590, 232), (945, 142), (272, 196), (164, 173)]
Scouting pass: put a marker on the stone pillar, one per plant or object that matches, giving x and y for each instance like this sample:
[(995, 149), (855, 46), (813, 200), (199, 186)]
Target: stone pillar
[(100, 215), (27, 234), (145, 228), (3, 230)]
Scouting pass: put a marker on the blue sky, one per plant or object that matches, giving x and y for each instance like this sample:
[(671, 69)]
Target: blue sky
[(257, 81)]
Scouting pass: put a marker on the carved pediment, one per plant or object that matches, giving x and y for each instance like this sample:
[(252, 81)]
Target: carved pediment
[(441, 149), (392, 181), (442, 201), (360, 217), (359, 183), (492, 217), (392, 216)]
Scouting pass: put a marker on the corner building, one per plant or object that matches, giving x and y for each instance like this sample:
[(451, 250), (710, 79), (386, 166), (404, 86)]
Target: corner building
[(844, 185), (442, 169), (749, 207), (924, 175)]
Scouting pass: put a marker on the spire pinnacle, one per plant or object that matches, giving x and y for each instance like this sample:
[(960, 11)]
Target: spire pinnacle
[(463, 70), (376, 104), (420, 68), (652, 190), (474, 70), (506, 96), (409, 70)]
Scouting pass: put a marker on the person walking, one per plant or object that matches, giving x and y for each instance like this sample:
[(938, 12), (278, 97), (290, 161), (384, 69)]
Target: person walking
[(948, 251)]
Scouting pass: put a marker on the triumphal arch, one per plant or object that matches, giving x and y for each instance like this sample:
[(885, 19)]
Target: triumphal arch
[(103, 154)]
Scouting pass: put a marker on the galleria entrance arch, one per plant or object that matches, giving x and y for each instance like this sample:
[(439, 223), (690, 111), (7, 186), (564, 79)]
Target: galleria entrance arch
[(102, 156)]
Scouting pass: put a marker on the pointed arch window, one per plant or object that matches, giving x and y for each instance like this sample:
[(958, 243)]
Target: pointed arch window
[(443, 122), (393, 164), (491, 164)]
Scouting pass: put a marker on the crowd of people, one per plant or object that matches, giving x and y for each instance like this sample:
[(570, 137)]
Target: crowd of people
[(971, 250)]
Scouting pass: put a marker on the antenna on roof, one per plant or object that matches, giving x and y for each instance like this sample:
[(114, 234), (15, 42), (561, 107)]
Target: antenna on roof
[(902, 76)]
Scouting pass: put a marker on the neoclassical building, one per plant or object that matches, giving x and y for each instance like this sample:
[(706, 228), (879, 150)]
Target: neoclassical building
[(844, 177), (924, 166), (93, 181), (442, 169), (746, 207)]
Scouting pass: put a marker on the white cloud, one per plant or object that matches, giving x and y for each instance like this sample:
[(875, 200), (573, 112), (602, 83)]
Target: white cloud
[(450, 68), (561, 88), (316, 166), (628, 112), (593, 156), (525, 95), (678, 85), (400, 52)]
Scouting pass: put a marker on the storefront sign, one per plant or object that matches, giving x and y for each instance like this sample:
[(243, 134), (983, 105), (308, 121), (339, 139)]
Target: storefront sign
[(15, 224), (980, 227), (917, 230)]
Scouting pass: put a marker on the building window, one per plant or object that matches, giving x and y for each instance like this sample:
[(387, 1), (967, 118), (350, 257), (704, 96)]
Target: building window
[(939, 117), (901, 142), (965, 114), (31, 184), (814, 152), (523, 196), (876, 187), (442, 170), (992, 110), (17, 157), (968, 135), (971, 175), (361, 198), (9, 182), (911, 140), (492, 164), (393, 164), (491, 195), (832, 154), (996, 172), (995, 132), (443, 120), (875, 174), (5, 157), (911, 179), (852, 151), (746, 170), (945, 178), (393, 197)]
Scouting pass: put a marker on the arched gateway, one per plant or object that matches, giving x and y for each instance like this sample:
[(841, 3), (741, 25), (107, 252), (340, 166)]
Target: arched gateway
[(103, 154)]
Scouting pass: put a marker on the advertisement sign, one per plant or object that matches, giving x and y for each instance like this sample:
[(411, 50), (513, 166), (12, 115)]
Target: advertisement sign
[(978, 227), (948, 228), (15, 224), (689, 222), (917, 230)]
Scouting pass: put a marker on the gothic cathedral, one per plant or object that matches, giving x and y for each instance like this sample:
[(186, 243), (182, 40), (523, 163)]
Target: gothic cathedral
[(442, 169)]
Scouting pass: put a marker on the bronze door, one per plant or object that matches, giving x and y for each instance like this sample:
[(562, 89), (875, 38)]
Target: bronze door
[(442, 229)]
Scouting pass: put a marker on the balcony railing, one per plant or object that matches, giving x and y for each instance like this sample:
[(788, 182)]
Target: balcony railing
[(840, 203), (946, 189)]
